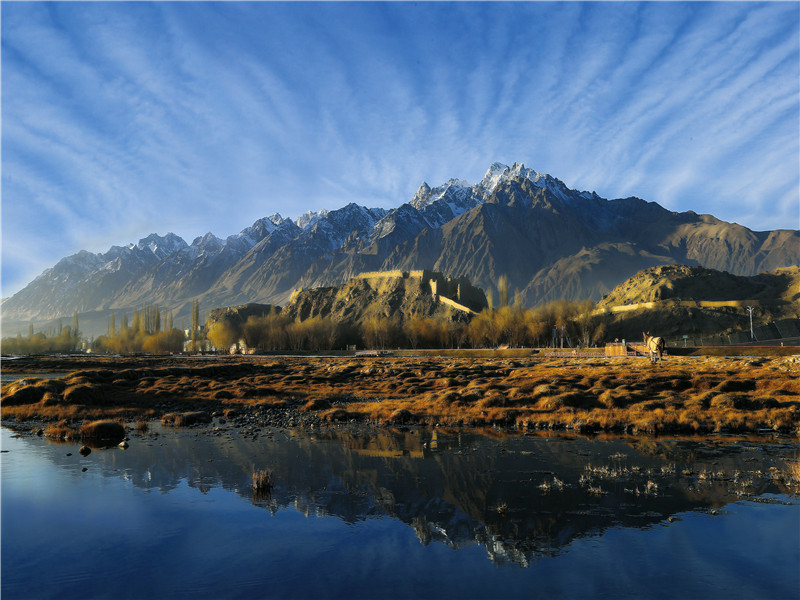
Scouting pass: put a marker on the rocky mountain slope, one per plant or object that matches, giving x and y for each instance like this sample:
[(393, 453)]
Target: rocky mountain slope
[(677, 300), (389, 295), (550, 241), (778, 288)]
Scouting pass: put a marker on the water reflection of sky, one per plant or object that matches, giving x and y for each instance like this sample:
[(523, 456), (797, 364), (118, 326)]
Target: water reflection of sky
[(109, 532)]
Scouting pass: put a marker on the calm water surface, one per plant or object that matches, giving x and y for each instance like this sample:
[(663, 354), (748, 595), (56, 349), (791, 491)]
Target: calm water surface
[(361, 513)]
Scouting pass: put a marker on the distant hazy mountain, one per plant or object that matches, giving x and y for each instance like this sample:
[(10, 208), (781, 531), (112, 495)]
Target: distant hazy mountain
[(550, 241)]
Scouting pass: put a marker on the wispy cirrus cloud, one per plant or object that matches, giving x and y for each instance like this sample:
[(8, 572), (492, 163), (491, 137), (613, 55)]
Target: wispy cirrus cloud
[(120, 119)]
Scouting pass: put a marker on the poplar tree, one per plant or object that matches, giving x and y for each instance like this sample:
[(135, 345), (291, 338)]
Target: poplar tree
[(502, 290), (75, 332), (195, 320)]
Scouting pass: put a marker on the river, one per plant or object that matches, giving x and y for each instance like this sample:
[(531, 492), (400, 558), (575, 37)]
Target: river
[(358, 512)]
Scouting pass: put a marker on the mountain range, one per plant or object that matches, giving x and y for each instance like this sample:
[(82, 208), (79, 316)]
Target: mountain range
[(550, 241)]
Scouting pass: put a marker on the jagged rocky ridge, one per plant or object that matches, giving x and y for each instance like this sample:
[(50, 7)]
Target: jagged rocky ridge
[(550, 241)]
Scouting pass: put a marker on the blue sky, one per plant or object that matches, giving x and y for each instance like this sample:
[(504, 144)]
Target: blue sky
[(124, 119)]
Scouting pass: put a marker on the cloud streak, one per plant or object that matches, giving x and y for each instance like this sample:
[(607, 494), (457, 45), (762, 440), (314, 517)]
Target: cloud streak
[(124, 119)]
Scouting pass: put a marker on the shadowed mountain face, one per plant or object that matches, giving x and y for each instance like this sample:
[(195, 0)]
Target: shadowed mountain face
[(551, 242)]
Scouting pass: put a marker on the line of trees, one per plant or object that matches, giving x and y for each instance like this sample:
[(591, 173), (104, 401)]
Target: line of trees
[(558, 323), (150, 330), (276, 332), (56, 339), (143, 334)]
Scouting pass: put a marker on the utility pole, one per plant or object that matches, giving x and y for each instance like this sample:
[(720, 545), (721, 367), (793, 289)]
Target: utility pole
[(752, 335)]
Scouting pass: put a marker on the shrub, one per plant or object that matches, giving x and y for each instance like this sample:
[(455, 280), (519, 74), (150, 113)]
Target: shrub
[(450, 398), (262, 480), (24, 394), (493, 401), (80, 394), (401, 415), (49, 399), (608, 399), (737, 385), (551, 403), (59, 431), (337, 414), (728, 401), (317, 404), (104, 430), (578, 400), (765, 402), (185, 419)]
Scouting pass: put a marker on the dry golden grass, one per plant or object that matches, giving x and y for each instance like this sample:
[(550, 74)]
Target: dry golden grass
[(692, 394)]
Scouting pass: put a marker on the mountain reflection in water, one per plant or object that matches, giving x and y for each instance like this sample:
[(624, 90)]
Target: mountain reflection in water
[(520, 497)]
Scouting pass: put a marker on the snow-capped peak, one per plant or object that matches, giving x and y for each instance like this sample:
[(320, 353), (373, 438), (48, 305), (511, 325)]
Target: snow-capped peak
[(499, 173), (161, 246), (276, 219), (493, 177), (422, 194)]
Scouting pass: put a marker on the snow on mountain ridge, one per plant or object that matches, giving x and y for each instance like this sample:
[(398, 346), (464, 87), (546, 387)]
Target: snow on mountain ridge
[(162, 246), (337, 225), (308, 219)]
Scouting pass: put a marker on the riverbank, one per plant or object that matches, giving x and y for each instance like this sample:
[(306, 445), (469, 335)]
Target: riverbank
[(682, 394)]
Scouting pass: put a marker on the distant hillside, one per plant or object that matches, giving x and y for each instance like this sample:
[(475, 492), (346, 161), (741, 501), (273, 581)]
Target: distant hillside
[(677, 300), (394, 294)]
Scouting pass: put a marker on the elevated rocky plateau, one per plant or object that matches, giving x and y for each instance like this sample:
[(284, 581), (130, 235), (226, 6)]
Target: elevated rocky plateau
[(390, 295), (677, 300)]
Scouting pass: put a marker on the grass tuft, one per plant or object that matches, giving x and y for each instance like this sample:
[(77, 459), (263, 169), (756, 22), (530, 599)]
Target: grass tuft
[(262, 484)]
